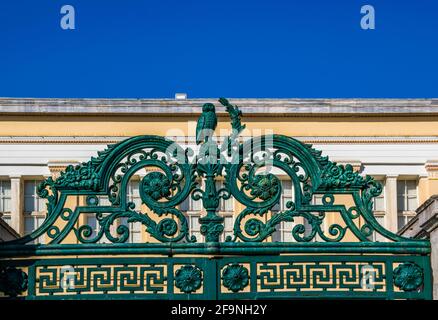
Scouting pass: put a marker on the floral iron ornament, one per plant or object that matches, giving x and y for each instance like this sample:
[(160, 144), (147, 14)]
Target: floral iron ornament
[(249, 168), (408, 276), (188, 278), (235, 277), (13, 281), (156, 185), (248, 263)]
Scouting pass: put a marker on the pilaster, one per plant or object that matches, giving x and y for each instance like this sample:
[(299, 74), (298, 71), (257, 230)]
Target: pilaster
[(17, 201), (391, 219)]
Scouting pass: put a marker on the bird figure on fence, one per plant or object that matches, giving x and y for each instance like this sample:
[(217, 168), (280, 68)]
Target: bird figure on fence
[(207, 123)]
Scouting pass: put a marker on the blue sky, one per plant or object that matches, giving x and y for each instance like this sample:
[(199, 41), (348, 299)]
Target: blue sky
[(232, 48)]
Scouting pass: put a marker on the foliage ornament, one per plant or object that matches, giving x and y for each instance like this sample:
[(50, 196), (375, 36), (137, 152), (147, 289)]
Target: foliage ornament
[(177, 171), (408, 276), (265, 186), (235, 277), (188, 278), (156, 185), (13, 281)]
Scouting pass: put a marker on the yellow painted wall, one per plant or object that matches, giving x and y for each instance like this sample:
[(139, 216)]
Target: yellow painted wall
[(126, 126), (427, 187), (312, 126)]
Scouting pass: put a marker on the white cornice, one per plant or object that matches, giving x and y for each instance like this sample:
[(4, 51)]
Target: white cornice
[(250, 107), (190, 139)]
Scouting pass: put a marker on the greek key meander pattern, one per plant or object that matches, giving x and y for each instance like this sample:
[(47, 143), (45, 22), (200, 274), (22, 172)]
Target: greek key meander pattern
[(93, 279), (152, 278), (339, 276)]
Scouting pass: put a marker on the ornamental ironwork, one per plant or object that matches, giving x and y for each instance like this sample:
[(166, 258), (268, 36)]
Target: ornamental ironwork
[(188, 278), (162, 191), (247, 262), (13, 281), (408, 276), (235, 277)]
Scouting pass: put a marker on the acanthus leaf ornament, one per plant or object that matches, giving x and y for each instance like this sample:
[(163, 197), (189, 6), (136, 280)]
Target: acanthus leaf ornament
[(84, 176), (175, 178), (265, 186), (249, 262)]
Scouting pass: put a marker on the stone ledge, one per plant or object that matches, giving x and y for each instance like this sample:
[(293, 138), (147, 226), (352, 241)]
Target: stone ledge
[(251, 107)]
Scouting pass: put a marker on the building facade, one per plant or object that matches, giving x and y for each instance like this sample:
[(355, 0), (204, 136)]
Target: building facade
[(395, 141)]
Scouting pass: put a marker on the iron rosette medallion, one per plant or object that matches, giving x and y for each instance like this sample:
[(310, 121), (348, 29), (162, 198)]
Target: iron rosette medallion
[(235, 277), (408, 276), (188, 278)]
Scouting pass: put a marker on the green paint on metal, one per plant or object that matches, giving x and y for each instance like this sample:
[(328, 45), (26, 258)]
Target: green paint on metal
[(242, 277), (243, 261), (408, 276), (235, 277), (13, 281), (188, 278)]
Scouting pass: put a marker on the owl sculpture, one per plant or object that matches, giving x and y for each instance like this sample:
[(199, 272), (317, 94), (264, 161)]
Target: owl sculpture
[(207, 123)]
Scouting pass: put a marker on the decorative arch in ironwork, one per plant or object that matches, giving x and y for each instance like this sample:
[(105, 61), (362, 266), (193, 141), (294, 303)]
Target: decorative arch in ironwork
[(250, 172)]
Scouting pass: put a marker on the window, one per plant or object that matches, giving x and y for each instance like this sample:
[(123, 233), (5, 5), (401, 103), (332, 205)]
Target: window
[(228, 227), (283, 232), (194, 226), (31, 223), (190, 205), (226, 210), (224, 205), (91, 220), (5, 200), (134, 230), (133, 195), (379, 213), (374, 235), (407, 195), (407, 201), (32, 202), (34, 208), (192, 210), (379, 201), (316, 200), (104, 201), (284, 228), (132, 192)]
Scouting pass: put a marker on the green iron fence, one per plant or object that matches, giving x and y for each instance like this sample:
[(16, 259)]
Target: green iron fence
[(327, 259)]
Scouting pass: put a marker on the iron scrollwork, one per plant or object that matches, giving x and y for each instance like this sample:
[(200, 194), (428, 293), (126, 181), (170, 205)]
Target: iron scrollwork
[(250, 170)]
